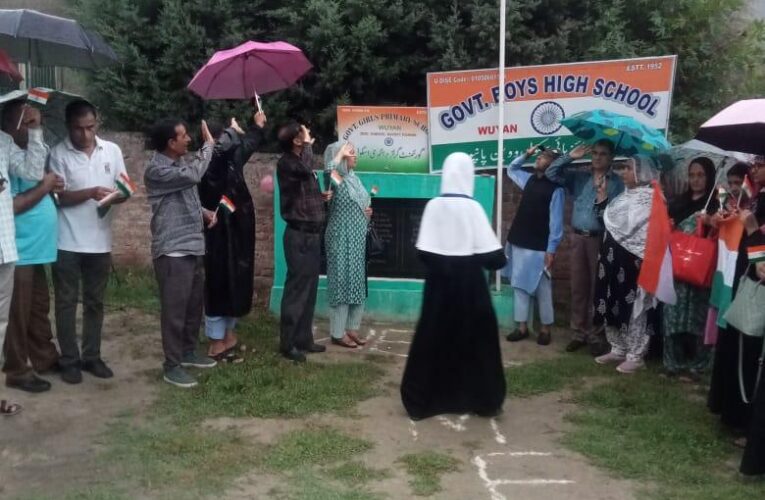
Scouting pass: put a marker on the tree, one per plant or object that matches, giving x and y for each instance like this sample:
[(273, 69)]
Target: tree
[(373, 52)]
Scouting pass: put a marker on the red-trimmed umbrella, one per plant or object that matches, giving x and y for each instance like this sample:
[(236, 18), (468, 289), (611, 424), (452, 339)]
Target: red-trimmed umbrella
[(250, 69), (739, 127), (9, 68)]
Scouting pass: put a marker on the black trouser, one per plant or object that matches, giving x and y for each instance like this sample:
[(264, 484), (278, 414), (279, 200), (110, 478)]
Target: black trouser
[(93, 269), (181, 298), (302, 251)]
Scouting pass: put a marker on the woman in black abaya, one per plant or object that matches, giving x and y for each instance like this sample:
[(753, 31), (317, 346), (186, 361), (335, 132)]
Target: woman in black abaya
[(455, 363), (230, 243)]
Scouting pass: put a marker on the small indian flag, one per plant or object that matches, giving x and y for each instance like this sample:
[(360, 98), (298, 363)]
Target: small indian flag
[(38, 95), (374, 190), (756, 254), (125, 185), (722, 195), (226, 204), (336, 178)]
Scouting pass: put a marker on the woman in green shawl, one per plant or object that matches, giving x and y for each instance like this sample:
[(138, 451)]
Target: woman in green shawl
[(345, 241)]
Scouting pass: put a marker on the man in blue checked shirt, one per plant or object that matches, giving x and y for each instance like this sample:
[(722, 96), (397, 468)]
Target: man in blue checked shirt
[(586, 234)]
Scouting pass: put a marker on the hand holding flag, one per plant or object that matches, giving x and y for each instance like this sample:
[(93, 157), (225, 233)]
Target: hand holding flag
[(211, 218), (226, 204)]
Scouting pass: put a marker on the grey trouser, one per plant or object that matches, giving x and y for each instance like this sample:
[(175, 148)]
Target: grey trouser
[(181, 298), (584, 268), (93, 270)]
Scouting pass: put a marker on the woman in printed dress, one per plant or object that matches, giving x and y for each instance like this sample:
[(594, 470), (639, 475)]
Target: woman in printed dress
[(617, 294), (345, 241)]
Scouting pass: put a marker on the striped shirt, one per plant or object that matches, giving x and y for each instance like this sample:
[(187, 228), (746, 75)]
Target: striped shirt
[(27, 164)]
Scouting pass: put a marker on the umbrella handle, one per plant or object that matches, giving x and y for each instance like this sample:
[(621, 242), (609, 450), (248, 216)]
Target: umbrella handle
[(718, 170), (255, 102)]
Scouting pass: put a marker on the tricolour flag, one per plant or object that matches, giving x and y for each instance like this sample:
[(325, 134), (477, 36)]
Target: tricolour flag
[(756, 254), (335, 177), (38, 95), (731, 230), (656, 272), (125, 185), (226, 204), (746, 188), (722, 195), (374, 190)]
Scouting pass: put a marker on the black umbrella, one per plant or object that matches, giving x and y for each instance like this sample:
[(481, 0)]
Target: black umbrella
[(45, 40), (739, 127)]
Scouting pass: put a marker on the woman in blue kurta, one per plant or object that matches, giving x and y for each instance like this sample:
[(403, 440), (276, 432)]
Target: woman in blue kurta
[(345, 242)]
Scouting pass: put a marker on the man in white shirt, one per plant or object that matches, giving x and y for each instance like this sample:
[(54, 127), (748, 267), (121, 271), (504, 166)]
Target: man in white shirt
[(89, 166), (30, 165)]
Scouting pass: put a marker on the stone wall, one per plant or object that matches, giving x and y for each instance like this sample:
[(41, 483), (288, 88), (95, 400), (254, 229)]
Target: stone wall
[(132, 238)]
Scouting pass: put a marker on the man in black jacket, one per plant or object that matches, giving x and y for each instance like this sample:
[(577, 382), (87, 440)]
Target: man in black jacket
[(303, 209)]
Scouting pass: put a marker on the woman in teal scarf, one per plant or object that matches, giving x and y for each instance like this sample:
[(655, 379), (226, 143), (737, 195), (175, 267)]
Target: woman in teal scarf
[(345, 242)]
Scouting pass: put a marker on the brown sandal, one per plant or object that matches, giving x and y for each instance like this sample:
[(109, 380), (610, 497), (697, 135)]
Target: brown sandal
[(343, 343), (8, 409), (355, 338)]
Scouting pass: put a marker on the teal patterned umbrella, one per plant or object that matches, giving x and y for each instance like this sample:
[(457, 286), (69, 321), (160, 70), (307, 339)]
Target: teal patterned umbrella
[(629, 135)]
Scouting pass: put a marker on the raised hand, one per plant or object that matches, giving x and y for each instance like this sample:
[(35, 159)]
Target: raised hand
[(206, 135), (580, 151), (235, 125), (31, 117), (307, 139), (260, 119)]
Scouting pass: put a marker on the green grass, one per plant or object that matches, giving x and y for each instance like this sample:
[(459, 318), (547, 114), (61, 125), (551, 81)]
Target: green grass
[(306, 485), (297, 454), (426, 469), (132, 288), (160, 455), (320, 446), (353, 473), (268, 386), (105, 492), (168, 453), (643, 427), (540, 377)]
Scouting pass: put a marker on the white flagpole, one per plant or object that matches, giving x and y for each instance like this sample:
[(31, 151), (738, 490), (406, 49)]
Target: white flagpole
[(501, 126)]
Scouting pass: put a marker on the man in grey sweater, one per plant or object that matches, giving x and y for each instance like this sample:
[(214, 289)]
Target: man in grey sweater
[(178, 243)]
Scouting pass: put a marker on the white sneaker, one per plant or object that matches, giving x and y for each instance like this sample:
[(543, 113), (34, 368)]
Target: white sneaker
[(609, 358), (630, 366)]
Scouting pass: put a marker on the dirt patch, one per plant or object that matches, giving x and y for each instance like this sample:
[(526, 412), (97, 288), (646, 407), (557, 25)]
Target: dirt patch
[(53, 446), (54, 442)]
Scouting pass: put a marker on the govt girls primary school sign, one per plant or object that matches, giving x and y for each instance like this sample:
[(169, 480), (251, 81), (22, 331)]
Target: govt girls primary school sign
[(387, 138), (462, 105)]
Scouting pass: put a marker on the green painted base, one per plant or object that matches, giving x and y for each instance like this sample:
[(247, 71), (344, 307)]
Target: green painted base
[(394, 300), (399, 301)]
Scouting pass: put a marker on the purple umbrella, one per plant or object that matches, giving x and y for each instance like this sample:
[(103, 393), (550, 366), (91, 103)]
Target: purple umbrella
[(739, 127), (250, 69)]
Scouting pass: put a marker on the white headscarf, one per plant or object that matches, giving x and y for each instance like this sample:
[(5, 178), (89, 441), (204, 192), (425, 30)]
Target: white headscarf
[(626, 217), (454, 224)]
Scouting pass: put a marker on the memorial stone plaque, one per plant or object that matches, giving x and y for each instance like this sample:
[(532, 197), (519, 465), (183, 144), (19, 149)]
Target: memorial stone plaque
[(397, 221)]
